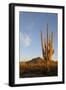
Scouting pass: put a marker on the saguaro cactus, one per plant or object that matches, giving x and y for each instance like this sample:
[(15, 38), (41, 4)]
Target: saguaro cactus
[(47, 46)]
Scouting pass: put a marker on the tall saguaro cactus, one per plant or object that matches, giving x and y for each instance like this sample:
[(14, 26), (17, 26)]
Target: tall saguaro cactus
[(42, 45), (47, 45)]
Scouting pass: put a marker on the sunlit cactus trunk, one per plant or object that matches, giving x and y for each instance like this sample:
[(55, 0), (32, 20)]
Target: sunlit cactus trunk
[(47, 46)]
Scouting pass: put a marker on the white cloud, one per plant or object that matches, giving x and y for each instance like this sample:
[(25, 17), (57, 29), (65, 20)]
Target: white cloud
[(25, 39)]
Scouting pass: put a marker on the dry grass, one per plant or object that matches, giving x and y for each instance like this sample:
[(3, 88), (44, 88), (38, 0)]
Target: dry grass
[(38, 67)]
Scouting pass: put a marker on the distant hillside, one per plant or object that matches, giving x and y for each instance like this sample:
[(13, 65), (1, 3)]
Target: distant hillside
[(36, 60), (38, 67)]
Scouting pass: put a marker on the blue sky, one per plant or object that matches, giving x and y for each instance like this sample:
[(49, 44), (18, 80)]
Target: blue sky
[(30, 25)]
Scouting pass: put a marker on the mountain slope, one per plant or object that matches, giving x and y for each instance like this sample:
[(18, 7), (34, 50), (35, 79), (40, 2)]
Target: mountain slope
[(38, 67)]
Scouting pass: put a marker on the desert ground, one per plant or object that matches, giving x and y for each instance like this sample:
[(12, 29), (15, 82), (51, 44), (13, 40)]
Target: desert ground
[(38, 67)]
